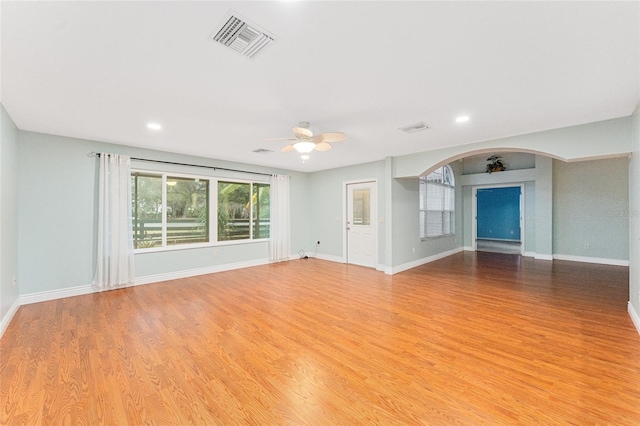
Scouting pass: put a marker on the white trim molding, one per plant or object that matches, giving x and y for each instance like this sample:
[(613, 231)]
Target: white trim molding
[(330, 258), (635, 317), (148, 279), (603, 261), (9, 316), (413, 264), (44, 296), (543, 256)]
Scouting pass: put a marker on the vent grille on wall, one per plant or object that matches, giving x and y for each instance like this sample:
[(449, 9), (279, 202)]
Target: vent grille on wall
[(242, 36), (415, 127)]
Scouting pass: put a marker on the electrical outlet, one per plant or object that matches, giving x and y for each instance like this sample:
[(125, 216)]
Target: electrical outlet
[(216, 253), (414, 249), (14, 282), (587, 246)]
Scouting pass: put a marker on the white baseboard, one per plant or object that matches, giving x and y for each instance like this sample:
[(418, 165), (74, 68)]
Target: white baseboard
[(9, 316), (603, 261), (198, 271), (538, 256), (468, 248), (529, 254), (409, 265), (44, 296), (634, 316), (330, 258)]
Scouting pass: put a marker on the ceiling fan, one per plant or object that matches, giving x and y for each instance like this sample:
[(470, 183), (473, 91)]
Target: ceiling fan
[(304, 140)]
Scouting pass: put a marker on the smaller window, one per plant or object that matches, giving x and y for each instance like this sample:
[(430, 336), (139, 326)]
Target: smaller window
[(437, 203), (243, 210), (171, 213)]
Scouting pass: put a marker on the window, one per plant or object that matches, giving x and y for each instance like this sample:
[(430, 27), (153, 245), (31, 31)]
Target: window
[(187, 211), (172, 210), (169, 210), (361, 206), (437, 203), (243, 210)]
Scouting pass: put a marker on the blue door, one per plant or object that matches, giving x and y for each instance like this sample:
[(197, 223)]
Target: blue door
[(498, 214)]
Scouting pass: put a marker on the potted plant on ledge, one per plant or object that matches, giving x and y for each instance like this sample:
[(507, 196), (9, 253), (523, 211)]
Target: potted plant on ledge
[(496, 164)]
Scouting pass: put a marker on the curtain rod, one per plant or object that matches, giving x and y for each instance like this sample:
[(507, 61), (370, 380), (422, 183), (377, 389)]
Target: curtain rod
[(97, 154)]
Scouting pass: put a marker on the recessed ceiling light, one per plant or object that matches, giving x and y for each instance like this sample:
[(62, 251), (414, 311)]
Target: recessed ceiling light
[(154, 126), (462, 119)]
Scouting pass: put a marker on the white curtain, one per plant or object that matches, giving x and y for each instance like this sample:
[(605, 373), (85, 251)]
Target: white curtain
[(115, 237), (280, 236)]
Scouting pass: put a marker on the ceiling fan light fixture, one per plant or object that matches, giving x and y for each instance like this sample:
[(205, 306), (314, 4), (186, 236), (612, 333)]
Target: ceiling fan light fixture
[(304, 147)]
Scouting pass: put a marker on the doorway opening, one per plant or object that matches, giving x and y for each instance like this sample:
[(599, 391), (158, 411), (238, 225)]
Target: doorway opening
[(499, 220)]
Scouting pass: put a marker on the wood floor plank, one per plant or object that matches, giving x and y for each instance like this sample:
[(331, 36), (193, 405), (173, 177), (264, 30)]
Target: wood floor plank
[(475, 338)]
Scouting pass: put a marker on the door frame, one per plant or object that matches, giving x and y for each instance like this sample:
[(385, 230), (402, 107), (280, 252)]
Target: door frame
[(474, 212), (345, 216)]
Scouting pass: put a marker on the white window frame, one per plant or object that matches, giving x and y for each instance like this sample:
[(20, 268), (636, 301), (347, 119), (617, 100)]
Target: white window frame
[(213, 211), (214, 198), (446, 181)]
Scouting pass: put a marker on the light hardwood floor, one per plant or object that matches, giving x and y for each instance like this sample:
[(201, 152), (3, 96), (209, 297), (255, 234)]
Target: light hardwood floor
[(476, 338)]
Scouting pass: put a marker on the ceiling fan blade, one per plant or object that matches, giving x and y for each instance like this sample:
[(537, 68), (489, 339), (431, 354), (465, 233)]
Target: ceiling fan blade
[(323, 146), (301, 132), (330, 137), (287, 148), (281, 139)]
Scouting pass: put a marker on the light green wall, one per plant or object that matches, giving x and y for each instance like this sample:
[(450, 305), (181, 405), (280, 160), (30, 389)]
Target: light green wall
[(634, 219), (325, 211), (407, 246), (8, 213), (544, 207), (590, 204), (467, 217), (603, 138), (57, 224), (529, 218)]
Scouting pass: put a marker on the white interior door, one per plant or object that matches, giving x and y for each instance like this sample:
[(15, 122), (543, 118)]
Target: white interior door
[(362, 235)]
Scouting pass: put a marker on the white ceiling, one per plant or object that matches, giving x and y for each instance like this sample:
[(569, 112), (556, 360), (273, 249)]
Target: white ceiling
[(103, 70)]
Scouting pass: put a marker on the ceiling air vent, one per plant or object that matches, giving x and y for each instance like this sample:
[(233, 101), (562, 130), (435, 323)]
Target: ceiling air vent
[(242, 35), (262, 151), (415, 127)]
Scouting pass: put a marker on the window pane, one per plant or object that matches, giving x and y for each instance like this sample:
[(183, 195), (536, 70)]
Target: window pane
[(261, 210), (187, 211), (449, 201), (437, 203), (434, 223), (233, 211), (146, 197), (435, 195), (361, 207)]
